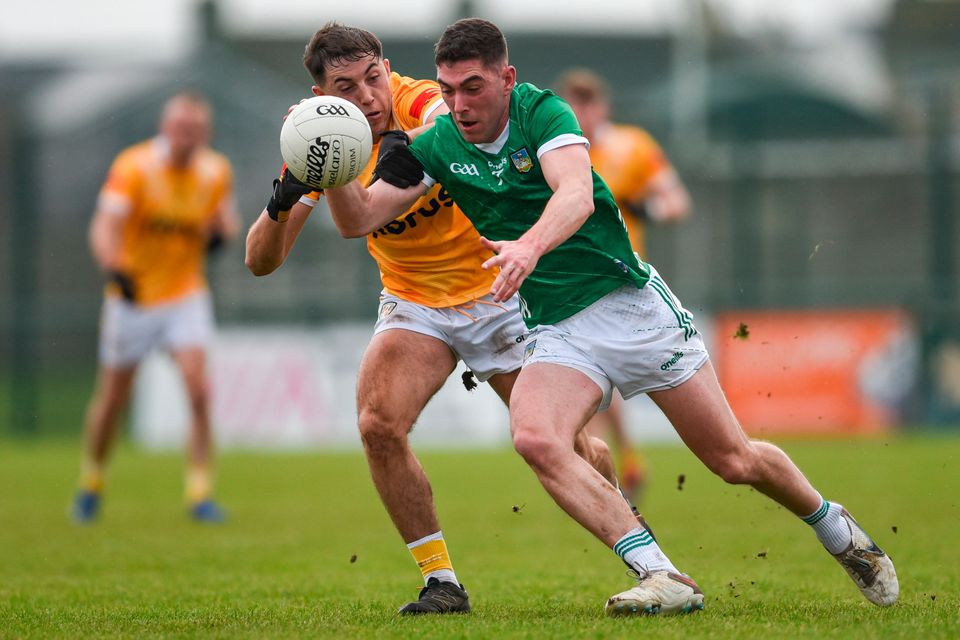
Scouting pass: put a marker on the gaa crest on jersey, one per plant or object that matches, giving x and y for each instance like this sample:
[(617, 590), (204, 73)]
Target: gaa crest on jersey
[(521, 160)]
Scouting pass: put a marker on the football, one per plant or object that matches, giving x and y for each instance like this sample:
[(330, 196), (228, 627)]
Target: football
[(326, 141)]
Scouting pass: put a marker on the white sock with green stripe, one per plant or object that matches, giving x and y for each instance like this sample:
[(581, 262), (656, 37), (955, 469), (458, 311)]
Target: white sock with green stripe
[(832, 530), (639, 550)]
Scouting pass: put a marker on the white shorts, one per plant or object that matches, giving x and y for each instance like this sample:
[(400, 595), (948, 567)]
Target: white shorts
[(128, 331), (638, 340), (486, 335)]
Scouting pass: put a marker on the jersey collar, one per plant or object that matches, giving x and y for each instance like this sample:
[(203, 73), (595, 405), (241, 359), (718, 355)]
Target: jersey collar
[(495, 146)]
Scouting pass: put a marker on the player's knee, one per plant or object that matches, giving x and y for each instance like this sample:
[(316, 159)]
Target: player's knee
[(198, 394), (539, 447), (735, 467), (598, 450), (380, 431)]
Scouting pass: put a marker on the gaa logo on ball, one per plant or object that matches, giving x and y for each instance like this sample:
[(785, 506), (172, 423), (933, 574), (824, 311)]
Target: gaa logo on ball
[(326, 142)]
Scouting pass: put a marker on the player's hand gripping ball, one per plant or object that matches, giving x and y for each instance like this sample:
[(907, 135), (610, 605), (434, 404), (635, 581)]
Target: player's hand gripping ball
[(326, 142)]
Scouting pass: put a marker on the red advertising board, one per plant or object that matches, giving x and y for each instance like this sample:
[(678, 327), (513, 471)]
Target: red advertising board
[(815, 372)]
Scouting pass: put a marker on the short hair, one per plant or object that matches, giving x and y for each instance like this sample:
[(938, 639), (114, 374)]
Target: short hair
[(334, 44), (582, 85), (470, 39), (188, 96)]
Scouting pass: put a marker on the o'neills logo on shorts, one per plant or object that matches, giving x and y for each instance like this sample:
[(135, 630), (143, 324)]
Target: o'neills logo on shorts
[(672, 361)]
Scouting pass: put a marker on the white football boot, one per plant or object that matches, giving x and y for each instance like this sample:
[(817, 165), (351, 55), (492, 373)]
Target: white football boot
[(868, 566), (659, 592)]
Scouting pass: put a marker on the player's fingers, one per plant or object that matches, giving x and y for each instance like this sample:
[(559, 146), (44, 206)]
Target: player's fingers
[(497, 290), (507, 282), (489, 244), (292, 107), (495, 261), (506, 289)]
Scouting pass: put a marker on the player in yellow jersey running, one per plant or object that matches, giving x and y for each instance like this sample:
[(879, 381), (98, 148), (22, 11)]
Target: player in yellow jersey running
[(435, 308), (646, 188), (165, 203)]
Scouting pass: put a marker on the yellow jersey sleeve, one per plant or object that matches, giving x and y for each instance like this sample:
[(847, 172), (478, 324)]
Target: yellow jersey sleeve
[(413, 100), (123, 183), (627, 158)]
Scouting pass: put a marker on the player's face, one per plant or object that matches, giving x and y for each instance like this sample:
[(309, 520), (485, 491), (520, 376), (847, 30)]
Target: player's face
[(591, 114), (186, 127), (478, 97), (365, 83)]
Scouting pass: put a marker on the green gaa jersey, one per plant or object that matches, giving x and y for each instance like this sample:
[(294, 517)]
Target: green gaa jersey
[(501, 188)]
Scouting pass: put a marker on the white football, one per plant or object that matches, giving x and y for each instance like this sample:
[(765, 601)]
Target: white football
[(326, 142)]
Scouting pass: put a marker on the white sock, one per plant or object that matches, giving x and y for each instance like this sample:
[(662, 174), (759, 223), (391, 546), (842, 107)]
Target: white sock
[(639, 550), (443, 575), (831, 529)]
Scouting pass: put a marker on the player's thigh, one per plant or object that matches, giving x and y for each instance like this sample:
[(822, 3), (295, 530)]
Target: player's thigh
[(188, 324), (553, 400), (598, 425), (114, 384), (701, 416), (192, 363), (399, 373), (127, 333), (503, 383)]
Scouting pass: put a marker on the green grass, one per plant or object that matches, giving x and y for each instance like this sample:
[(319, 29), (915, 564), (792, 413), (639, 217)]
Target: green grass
[(284, 566)]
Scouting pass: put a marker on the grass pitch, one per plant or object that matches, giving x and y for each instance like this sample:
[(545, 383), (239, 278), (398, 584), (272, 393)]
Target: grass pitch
[(309, 551)]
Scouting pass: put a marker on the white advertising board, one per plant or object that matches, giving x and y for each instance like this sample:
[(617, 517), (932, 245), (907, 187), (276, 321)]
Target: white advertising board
[(283, 388)]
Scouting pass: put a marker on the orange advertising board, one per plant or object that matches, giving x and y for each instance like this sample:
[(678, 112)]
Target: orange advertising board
[(814, 372)]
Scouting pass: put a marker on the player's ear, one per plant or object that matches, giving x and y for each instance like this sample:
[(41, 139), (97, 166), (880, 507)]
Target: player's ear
[(317, 91), (509, 77), (386, 65)]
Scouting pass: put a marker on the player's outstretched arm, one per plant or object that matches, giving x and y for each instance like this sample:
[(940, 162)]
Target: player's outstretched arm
[(269, 242), (272, 236), (398, 183), (667, 199), (357, 211), (105, 233), (225, 225), (567, 171), (106, 239)]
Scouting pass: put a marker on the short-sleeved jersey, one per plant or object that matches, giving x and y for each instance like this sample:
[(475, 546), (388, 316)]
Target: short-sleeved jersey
[(501, 188), (168, 211), (627, 158), (431, 254)]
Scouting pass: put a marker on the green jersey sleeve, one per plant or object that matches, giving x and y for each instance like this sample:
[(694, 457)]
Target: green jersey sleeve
[(545, 117)]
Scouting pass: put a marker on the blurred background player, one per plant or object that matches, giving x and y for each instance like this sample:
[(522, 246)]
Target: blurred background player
[(166, 202), (646, 188), (435, 308)]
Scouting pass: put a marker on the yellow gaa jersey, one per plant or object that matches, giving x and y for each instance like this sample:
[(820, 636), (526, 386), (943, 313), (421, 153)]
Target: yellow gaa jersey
[(167, 212), (431, 254), (627, 158)]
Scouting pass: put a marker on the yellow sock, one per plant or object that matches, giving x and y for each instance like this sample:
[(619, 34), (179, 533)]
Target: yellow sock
[(433, 559), (198, 485), (91, 476)]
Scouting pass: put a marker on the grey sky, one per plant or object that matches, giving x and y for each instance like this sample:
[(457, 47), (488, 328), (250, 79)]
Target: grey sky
[(166, 28)]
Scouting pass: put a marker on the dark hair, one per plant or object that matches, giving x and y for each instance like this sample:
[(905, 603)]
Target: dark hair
[(471, 39), (335, 44)]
